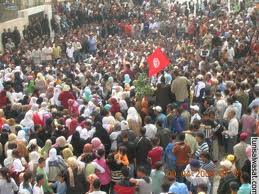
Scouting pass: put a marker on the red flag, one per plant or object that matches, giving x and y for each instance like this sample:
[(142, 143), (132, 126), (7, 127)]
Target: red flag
[(157, 61)]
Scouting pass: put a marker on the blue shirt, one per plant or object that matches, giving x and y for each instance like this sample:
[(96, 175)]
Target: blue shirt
[(60, 187), (178, 188), (244, 189), (162, 117)]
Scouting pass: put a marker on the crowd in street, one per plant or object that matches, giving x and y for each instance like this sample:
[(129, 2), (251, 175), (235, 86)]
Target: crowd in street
[(74, 118)]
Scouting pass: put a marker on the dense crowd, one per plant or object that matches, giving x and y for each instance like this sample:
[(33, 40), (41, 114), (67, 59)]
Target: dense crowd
[(75, 119)]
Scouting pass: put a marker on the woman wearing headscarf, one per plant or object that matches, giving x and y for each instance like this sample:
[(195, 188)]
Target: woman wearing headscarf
[(21, 136), (73, 107), (134, 120), (105, 177), (27, 121), (45, 150), (11, 143), (54, 165), (54, 100), (3, 99), (34, 157), (65, 95), (115, 106), (103, 135), (40, 83), (17, 166), (77, 143), (67, 153), (61, 144), (75, 182)]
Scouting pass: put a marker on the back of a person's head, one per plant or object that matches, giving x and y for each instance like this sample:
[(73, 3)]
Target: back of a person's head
[(182, 137), (245, 177), (96, 184), (147, 119), (100, 153), (39, 177), (234, 186), (143, 131), (125, 171)]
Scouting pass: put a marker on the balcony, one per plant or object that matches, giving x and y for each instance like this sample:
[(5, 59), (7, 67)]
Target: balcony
[(9, 8)]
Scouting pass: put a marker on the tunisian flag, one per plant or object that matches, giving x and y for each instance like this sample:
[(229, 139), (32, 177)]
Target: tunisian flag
[(157, 61)]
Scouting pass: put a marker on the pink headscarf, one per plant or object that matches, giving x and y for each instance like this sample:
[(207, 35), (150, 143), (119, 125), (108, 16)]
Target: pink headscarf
[(73, 107)]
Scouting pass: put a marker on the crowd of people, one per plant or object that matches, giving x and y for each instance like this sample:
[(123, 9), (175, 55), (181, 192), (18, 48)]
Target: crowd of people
[(74, 118)]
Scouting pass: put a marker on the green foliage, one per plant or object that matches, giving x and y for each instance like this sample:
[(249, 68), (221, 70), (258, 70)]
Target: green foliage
[(143, 86)]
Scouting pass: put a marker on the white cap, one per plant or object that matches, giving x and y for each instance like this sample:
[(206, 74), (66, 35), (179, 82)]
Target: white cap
[(157, 108), (226, 163), (200, 77), (195, 107)]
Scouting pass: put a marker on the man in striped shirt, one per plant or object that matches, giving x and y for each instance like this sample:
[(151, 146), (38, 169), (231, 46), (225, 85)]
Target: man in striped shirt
[(203, 146)]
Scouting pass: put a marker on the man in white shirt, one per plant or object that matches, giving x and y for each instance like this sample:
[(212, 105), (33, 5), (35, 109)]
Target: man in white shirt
[(151, 129), (195, 113), (196, 175), (232, 132), (70, 51), (96, 187), (37, 189)]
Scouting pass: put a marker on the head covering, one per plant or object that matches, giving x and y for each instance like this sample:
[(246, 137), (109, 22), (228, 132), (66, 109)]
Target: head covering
[(88, 148), (46, 148), (195, 163), (127, 79), (243, 136), (107, 107), (195, 108), (67, 153), (66, 88), (27, 121), (33, 100), (132, 114), (231, 157), (226, 164), (61, 142), (157, 108), (53, 154), (96, 144), (34, 157), (21, 135), (12, 137)]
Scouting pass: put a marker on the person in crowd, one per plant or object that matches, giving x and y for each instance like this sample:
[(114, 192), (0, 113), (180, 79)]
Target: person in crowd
[(182, 153), (143, 182), (240, 151), (97, 187), (38, 189), (157, 176), (124, 185), (227, 177), (7, 184), (203, 145)]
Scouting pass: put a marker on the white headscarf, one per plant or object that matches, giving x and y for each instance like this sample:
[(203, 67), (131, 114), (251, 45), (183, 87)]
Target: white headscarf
[(34, 157), (53, 154), (33, 100), (27, 121), (132, 114), (52, 157), (54, 99), (21, 135)]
